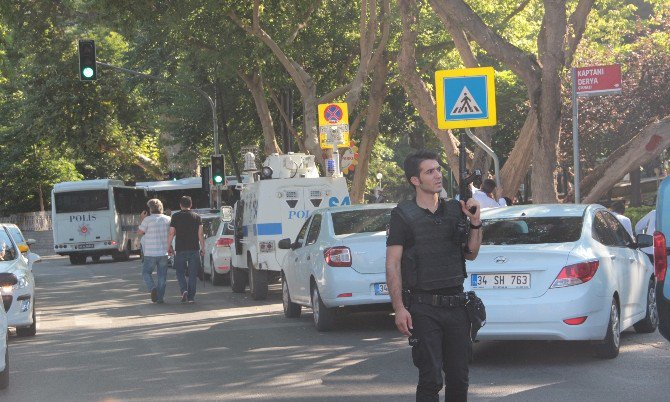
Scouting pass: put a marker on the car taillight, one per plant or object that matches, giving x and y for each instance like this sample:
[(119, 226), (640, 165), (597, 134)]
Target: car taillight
[(660, 256), (224, 241), (337, 256), (576, 274)]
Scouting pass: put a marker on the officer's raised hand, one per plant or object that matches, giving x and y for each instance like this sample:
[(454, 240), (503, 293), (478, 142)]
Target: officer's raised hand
[(467, 207)]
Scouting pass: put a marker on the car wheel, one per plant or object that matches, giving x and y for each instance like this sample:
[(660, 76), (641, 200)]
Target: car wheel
[(76, 259), (4, 375), (609, 347), (291, 310), (95, 258), (121, 255), (649, 323), (32, 329), (323, 316), (238, 279), (215, 277), (258, 281)]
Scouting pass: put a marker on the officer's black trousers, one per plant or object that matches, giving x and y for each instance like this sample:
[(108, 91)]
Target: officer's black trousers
[(444, 345)]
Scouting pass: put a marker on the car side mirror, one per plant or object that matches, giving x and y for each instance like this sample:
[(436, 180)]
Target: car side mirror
[(30, 242), (644, 240), (285, 244), (33, 258), (226, 213)]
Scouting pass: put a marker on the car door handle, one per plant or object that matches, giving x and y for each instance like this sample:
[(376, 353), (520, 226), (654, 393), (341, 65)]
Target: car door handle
[(613, 257), (296, 259), (631, 259), (308, 258)]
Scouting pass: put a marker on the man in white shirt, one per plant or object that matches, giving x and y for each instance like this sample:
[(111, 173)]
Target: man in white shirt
[(618, 207), (154, 229), (647, 225), (487, 197)]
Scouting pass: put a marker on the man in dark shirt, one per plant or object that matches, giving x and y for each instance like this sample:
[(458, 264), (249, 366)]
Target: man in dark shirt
[(425, 255), (186, 225)]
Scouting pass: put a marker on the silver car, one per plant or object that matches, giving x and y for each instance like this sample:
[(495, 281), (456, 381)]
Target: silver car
[(337, 261)]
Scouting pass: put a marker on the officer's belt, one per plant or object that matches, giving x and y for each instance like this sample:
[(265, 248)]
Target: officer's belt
[(439, 300)]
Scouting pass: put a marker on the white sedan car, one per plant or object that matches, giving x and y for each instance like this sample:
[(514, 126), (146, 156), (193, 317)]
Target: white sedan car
[(562, 272), (217, 253), (337, 261), (5, 280), (18, 299)]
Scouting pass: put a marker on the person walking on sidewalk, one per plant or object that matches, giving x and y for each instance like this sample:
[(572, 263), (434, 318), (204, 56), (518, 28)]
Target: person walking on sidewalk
[(154, 231), (186, 229)]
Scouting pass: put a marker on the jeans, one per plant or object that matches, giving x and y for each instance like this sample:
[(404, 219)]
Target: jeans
[(182, 261), (161, 263), (444, 345)]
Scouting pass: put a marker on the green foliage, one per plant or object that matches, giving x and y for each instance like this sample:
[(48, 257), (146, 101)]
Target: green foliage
[(637, 213)]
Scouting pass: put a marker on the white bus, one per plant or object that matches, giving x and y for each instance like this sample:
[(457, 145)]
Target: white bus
[(170, 191), (95, 218)]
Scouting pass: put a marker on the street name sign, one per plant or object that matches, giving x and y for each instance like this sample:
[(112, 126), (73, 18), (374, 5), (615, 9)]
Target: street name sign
[(598, 80), (465, 98)]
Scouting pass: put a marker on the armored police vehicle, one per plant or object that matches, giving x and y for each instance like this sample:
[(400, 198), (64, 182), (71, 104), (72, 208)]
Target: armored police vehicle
[(273, 205)]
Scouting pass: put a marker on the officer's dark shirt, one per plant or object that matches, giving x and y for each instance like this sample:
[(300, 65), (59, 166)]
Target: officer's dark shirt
[(400, 234)]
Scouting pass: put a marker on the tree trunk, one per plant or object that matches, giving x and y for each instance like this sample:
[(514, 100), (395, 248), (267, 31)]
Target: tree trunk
[(420, 96), (640, 150), (515, 168), (254, 82), (370, 133)]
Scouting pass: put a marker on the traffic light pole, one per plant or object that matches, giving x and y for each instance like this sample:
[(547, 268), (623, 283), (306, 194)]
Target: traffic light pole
[(215, 124)]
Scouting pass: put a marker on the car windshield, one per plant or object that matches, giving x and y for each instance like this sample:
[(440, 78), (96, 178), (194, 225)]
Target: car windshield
[(7, 252), (559, 229), (82, 201), (361, 221)]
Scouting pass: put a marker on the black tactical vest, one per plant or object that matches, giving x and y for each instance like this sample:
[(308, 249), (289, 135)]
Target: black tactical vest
[(437, 255)]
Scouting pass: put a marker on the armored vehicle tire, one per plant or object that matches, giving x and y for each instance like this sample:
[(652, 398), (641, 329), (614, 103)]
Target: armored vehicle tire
[(291, 310), (258, 281), (30, 330), (77, 259), (238, 279), (4, 375), (649, 323), (216, 278), (324, 317), (609, 347)]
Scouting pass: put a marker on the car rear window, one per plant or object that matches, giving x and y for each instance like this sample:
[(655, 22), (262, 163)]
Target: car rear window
[(361, 221), (531, 230), (82, 201)]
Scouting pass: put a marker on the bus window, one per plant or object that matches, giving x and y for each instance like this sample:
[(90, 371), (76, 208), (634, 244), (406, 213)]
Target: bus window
[(82, 201)]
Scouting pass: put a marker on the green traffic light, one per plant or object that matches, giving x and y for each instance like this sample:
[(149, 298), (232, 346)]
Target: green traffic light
[(218, 179), (87, 72)]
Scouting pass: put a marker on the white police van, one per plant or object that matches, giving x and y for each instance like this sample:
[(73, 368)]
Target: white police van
[(273, 205)]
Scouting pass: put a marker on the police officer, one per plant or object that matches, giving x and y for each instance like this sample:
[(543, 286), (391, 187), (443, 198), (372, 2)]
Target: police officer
[(427, 238)]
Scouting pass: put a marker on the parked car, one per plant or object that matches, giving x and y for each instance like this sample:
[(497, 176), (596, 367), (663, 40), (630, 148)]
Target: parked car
[(23, 243), (7, 280), (562, 272), (18, 299), (337, 261), (218, 254), (661, 257)]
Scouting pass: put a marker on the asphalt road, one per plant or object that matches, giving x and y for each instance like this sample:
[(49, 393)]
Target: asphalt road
[(101, 339)]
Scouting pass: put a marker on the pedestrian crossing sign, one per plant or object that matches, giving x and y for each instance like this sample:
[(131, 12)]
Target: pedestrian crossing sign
[(465, 98)]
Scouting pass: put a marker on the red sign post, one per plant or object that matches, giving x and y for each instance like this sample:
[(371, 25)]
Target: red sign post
[(598, 80), (590, 81)]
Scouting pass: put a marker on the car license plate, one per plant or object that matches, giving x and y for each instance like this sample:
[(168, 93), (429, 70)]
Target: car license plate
[(381, 289), (85, 245), (500, 281)]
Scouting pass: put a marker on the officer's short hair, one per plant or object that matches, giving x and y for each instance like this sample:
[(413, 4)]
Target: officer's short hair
[(155, 206), (185, 201), (412, 162), (488, 185)]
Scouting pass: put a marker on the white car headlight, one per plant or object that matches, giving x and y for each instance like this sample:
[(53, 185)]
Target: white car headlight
[(21, 283)]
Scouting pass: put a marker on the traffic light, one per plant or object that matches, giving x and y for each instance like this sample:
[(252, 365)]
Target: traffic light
[(218, 171), (87, 70)]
